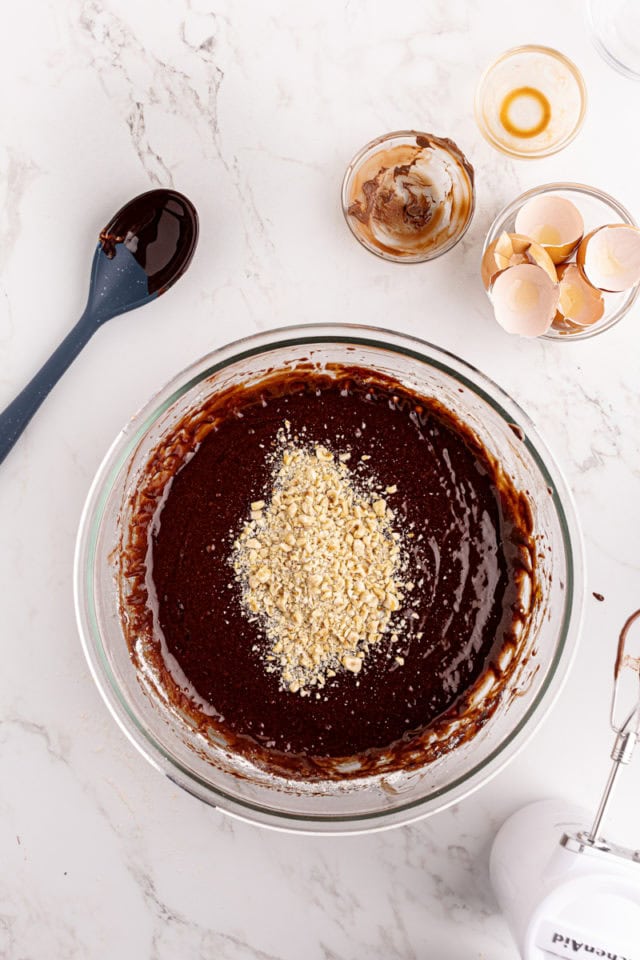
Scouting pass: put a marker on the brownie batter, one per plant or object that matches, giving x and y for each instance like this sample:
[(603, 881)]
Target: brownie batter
[(466, 529)]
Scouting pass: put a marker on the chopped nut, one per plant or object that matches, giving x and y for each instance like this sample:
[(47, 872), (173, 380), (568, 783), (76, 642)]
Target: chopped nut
[(353, 664), (391, 602), (319, 565), (323, 454)]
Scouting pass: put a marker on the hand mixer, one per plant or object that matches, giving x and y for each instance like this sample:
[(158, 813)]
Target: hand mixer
[(565, 890)]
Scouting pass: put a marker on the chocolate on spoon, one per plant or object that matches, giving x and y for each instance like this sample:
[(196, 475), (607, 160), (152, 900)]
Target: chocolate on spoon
[(142, 251)]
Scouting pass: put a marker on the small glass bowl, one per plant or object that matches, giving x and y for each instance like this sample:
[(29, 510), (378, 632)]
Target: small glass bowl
[(389, 141), (615, 31), (597, 209), (530, 102)]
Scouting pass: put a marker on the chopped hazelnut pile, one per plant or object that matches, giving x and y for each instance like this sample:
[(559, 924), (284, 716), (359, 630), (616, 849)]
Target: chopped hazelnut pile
[(319, 566)]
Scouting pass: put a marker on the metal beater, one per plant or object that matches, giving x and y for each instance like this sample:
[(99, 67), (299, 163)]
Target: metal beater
[(625, 723)]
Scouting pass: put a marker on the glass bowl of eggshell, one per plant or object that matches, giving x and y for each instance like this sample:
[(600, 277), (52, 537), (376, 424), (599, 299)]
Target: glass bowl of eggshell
[(562, 262)]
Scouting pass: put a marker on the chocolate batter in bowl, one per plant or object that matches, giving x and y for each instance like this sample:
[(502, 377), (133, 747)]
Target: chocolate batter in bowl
[(474, 634)]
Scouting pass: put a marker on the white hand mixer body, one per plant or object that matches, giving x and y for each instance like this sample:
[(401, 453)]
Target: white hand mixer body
[(565, 890)]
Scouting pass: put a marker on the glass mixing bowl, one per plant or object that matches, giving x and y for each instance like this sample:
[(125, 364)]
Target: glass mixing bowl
[(204, 768)]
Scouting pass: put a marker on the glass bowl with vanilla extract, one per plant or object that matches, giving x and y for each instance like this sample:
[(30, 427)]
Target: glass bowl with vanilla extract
[(531, 102)]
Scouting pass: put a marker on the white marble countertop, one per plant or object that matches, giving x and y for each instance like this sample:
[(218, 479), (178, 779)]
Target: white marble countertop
[(254, 110)]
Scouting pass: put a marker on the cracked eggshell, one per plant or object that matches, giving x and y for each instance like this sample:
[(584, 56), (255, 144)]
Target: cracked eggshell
[(509, 250), (609, 257), (552, 221), (579, 303), (525, 300)]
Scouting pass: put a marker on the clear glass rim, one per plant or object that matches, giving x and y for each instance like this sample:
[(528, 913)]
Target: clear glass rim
[(507, 212), (543, 152), (603, 49), (117, 457), (355, 162)]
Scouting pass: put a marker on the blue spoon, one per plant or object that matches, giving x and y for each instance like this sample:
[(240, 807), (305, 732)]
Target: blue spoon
[(141, 252)]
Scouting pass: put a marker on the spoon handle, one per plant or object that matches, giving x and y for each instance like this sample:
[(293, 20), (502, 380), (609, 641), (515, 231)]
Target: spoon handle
[(17, 415)]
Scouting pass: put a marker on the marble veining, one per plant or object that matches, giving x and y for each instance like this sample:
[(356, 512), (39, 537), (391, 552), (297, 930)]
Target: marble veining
[(254, 110)]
